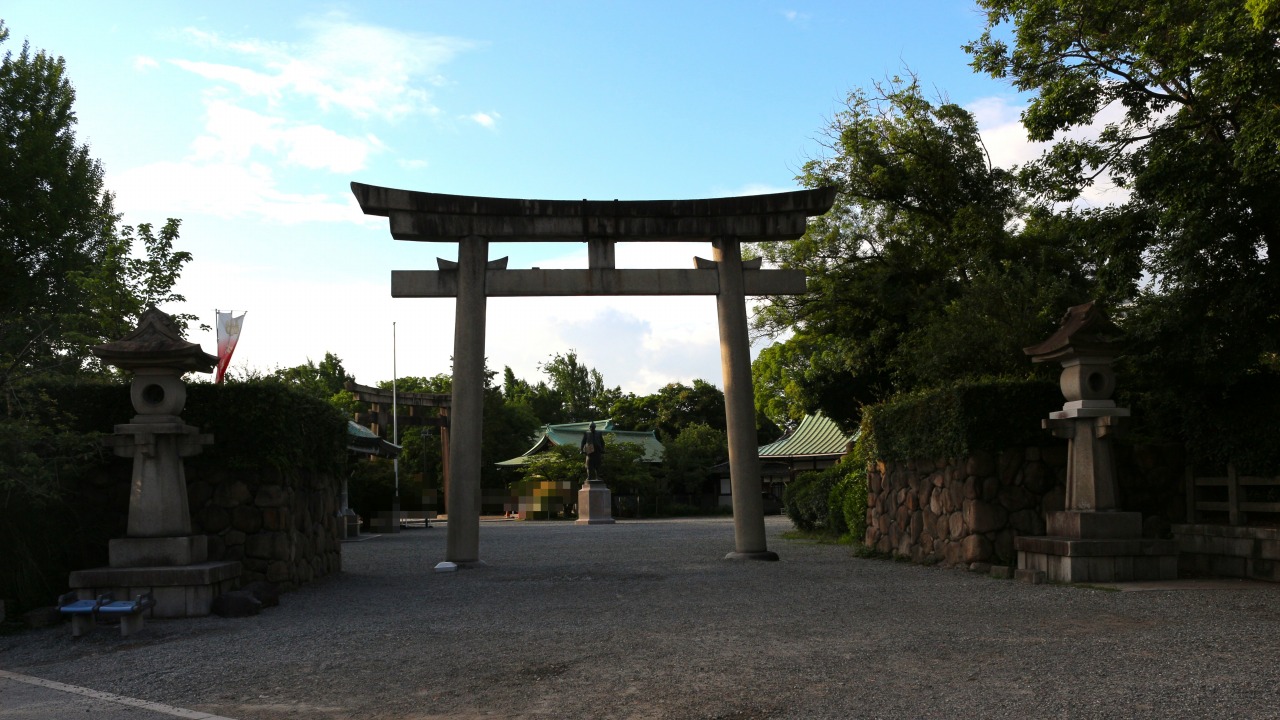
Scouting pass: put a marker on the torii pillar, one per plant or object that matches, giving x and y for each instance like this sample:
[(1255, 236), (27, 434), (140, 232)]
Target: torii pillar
[(473, 222)]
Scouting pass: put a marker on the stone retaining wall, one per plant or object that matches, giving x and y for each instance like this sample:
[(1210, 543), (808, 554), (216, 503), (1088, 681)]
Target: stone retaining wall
[(964, 510), (283, 529), (969, 510)]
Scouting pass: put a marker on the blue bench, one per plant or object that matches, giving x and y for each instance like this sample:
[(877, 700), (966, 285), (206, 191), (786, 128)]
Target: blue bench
[(84, 613)]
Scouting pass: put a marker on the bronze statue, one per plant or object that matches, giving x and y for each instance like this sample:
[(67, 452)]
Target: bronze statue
[(592, 447)]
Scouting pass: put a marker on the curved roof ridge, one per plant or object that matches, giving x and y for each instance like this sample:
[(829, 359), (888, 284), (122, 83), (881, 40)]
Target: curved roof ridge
[(816, 434)]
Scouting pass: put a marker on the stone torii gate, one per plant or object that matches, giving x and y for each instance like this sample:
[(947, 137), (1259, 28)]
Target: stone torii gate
[(474, 222)]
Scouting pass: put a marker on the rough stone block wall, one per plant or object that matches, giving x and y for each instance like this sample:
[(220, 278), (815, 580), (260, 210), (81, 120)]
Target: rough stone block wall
[(1245, 552), (282, 529), (964, 510)]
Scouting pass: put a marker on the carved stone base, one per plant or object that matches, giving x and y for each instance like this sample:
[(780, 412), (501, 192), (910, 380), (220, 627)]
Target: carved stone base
[(1097, 547), (1083, 524), (157, 552), (179, 591), (595, 505)]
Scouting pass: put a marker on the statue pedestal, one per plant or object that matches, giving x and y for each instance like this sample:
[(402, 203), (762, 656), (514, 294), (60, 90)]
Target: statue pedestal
[(595, 505), (1085, 546)]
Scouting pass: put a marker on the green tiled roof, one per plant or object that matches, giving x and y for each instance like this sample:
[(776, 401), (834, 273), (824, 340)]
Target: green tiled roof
[(816, 435), (363, 441), (571, 434)]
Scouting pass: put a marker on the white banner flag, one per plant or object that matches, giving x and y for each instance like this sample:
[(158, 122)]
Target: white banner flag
[(228, 335)]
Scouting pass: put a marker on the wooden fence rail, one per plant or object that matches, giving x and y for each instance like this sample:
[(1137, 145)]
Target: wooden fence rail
[(1239, 507)]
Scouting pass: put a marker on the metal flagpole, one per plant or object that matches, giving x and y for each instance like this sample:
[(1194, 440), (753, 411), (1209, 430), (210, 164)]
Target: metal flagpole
[(395, 433)]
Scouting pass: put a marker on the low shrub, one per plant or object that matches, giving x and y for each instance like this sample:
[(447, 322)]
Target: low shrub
[(816, 500)]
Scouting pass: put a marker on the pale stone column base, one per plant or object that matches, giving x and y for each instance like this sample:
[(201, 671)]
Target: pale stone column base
[(766, 555)]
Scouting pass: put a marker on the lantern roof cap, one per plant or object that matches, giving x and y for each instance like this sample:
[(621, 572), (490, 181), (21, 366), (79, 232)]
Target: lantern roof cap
[(1085, 330), (155, 343)]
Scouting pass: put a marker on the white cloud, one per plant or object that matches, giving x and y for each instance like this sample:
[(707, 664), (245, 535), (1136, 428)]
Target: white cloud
[(487, 120), (639, 344), (315, 147), (1000, 124), (232, 170), (754, 189), (232, 133), (411, 164), (363, 69), (226, 190), (142, 63), (255, 130), (248, 81)]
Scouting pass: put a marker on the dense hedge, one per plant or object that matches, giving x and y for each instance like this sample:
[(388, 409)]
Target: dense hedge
[(268, 424), (260, 423), (1239, 426), (957, 421)]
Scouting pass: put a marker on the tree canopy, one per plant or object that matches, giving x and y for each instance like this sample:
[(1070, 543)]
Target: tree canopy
[(931, 265), (1187, 94), (70, 279), (674, 407), (69, 275)]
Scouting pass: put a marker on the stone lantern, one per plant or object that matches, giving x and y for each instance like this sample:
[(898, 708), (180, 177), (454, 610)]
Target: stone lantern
[(159, 553), (1090, 540), (1085, 343)]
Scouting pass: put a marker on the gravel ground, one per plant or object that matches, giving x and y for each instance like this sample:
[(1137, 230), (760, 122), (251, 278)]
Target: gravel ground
[(644, 620)]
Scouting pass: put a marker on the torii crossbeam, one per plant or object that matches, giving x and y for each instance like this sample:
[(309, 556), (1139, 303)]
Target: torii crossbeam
[(474, 222)]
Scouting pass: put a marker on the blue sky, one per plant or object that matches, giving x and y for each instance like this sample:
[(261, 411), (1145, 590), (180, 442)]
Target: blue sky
[(249, 120)]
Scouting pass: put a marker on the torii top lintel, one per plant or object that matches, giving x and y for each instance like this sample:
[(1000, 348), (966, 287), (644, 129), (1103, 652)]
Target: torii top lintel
[(437, 217)]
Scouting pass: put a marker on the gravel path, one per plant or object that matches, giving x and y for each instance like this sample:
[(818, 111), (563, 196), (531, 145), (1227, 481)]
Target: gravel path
[(644, 620)]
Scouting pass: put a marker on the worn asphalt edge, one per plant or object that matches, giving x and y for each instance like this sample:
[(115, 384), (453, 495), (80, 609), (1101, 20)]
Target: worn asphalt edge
[(110, 697)]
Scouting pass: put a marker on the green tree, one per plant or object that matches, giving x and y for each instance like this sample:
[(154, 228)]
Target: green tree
[(540, 399), (581, 390), (920, 272), (1198, 86), (509, 425), (69, 277), (674, 407), (636, 412), (778, 379), (690, 456), (560, 464), (122, 285), (421, 467), (326, 380)]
